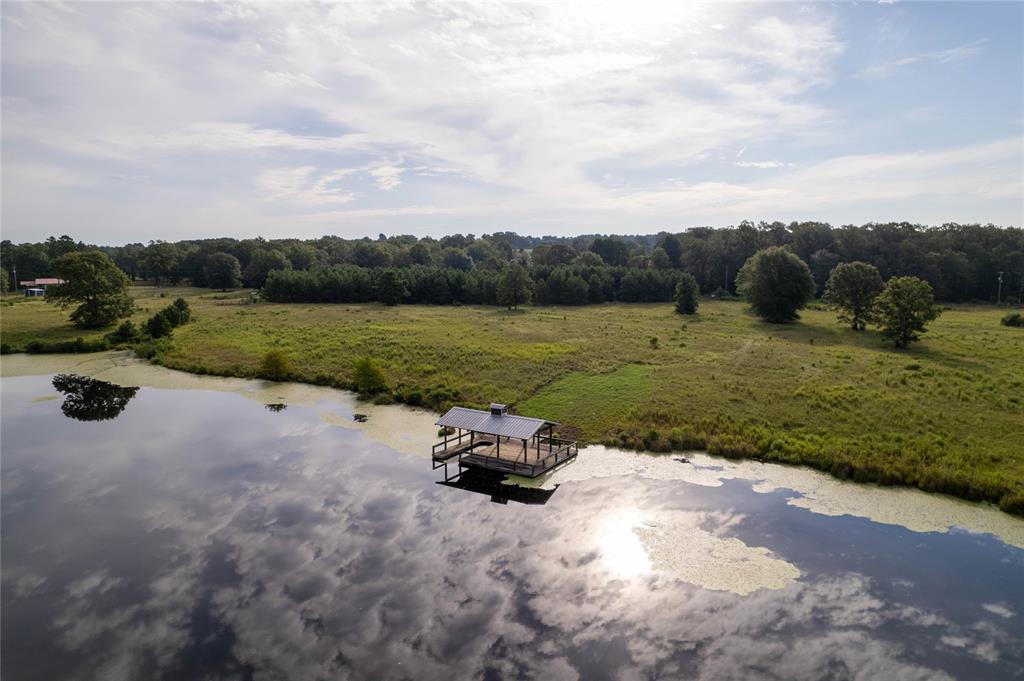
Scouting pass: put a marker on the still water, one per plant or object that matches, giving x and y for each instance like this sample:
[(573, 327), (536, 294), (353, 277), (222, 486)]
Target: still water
[(214, 528)]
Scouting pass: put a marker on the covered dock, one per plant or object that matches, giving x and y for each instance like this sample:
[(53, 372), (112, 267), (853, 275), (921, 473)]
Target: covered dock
[(498, 441)]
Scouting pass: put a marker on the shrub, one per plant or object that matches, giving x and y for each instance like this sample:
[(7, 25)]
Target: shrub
[(276, 365), (731, 446), (126, 333), (368, 377), (1013, 503), (38, 347), (1013, 319), (159, 325), (184, 311), (150, 348)]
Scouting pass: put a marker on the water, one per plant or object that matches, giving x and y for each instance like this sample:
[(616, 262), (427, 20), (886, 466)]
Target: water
[(190, 533)]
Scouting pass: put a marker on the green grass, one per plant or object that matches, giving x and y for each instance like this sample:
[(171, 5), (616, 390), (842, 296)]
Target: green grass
[(945, 415)]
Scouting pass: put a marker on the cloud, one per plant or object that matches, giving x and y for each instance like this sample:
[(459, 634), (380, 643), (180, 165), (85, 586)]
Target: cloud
[(760, 164), (873, 180), (388, 177), (460, 108), (947, 56), (290, 80), (282, 559), (304, 184)]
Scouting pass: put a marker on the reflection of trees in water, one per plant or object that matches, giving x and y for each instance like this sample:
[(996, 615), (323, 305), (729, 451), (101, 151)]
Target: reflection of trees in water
[(91, 400)]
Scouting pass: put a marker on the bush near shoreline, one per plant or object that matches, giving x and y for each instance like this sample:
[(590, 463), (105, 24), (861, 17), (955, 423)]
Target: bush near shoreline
[(942, 416)]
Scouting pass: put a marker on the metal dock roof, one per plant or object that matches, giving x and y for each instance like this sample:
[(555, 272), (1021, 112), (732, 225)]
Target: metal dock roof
[(520, 427)]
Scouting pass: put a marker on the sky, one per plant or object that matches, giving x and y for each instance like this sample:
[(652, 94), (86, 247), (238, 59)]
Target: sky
[(131, 122)]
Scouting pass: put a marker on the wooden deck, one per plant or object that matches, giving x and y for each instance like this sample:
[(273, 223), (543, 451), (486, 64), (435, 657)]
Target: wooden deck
[(540, 456)]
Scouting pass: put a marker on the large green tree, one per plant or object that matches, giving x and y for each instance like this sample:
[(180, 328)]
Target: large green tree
[(514, 289), (162, 261), (391, 289), (904, 308), (223, 271), (852, 288), (262, 264), (687, 292), (4, 280), (95, 284), (776, 283)]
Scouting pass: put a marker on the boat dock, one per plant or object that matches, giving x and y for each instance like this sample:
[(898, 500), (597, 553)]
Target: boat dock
[(498, 441)]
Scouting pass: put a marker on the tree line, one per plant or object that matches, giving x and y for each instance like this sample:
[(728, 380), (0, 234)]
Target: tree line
[(960, 262)]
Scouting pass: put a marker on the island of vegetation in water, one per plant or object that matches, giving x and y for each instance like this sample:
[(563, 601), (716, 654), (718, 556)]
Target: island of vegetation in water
[(589, 331)]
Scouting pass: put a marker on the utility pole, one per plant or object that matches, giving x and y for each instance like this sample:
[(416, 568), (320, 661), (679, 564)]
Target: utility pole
[(999, 295)]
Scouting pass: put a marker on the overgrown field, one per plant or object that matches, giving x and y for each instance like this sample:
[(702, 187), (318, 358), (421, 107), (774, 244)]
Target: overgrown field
[(946, 415)]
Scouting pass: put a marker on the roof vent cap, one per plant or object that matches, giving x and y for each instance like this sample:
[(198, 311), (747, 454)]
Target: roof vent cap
[(499, 409)]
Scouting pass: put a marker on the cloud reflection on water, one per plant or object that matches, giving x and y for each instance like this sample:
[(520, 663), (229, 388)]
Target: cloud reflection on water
[(265, 542)]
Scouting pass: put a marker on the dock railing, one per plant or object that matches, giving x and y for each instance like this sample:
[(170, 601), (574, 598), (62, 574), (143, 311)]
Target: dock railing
[(450, 441)]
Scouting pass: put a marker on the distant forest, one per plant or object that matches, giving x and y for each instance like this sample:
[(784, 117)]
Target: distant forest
[(961, 262)]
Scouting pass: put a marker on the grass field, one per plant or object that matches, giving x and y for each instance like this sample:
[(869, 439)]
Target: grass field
[(946, 415)]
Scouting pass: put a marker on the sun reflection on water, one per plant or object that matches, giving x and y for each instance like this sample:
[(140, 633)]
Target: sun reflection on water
[(620, 547)]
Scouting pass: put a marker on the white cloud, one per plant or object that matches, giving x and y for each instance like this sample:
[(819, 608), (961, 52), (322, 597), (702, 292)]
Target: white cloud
[(760, 164), (522, 110), (950, 55), (290, 80), (304, 185), (388, 177)]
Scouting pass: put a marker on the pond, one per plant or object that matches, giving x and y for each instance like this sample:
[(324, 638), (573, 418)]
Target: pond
[(199, 527)]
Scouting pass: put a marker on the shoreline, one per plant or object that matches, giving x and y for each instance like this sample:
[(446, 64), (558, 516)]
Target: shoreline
[(410, 431)]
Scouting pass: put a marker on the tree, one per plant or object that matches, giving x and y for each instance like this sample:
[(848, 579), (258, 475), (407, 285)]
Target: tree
[(457, 259), (419, 254), (262, 263), (686, 294), (4, 280), (660, 259), (776, 283), (391, 288), (613, 251), (904, 308), (89, 399), (368, 377), (553, 254), (96, 284), (162, 260), (822, 263), (673, 249), (370, 254), (575, 291), (589, 259), (514, 289), (223, 271), (852, 288), (303, 256)]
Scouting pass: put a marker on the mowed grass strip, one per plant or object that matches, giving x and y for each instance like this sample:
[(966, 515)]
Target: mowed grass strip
[(945, 415)]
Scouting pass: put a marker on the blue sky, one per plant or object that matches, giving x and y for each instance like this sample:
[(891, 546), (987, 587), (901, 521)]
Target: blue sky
[(130, 122)]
